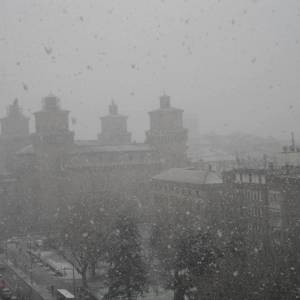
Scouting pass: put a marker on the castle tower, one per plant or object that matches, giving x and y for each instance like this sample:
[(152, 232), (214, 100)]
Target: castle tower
[(52, 125), (52, 137), (52, 142), (167, 134), (14, 134), (114, 128), (15, 124)]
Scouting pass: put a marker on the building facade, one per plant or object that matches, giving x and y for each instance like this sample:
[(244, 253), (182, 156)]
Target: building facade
[(14, 136), (259, 204), (55, 169), (9, 205), (192, 197), (253, 214), (167, 133), (246, 194), (289, 156), (265, 201), (114, 128)]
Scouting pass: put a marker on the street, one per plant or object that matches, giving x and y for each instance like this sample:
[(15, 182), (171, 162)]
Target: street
[(37, 271)]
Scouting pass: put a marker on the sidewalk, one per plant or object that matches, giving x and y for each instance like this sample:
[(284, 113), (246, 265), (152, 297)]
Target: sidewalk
[(36, 273), (41, 291), (96, 287), (57, 263)]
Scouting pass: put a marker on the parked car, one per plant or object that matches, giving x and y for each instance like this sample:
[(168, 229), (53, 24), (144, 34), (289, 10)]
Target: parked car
[(5, 293), (3, 283)]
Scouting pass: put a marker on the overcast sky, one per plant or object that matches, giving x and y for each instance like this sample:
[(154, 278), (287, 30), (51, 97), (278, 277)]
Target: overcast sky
[(233, 63)]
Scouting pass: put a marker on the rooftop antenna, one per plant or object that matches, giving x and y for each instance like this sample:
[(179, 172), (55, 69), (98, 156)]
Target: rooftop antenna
[(113, 108), (293, 141)]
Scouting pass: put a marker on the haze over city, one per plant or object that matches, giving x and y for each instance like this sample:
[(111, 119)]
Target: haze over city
[(233, 64), (149, 149)]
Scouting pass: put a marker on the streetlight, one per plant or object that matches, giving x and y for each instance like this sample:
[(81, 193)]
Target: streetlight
[(73, 274), (73, 279), (31, 260), (6, 250)]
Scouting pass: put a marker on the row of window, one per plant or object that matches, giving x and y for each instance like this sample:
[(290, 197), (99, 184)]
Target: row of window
[(250, 178), (275, 219), (275, 199), (177, 189), (255, 211), (252, 195), (255, 227)]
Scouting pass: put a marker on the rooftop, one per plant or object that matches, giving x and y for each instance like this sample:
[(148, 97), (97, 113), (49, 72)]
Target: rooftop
[(192, 176), (26, 150), (14, 110), (165, 105), (165, 109), (93, 146)]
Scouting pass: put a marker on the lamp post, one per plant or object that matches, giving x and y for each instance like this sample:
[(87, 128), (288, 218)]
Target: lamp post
[(6, 250), (73, 273), (31, 263), (73, 278)]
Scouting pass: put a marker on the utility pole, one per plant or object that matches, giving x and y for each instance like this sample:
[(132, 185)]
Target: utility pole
[(293, 142), (73, 278), (30, 254), (74, 287), (6, 251)]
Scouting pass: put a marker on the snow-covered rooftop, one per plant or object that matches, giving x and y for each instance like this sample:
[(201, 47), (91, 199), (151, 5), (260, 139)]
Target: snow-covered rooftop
[(192, 176)]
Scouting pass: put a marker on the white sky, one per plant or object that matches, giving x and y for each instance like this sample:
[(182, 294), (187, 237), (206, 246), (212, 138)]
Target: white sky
[(233, 63)]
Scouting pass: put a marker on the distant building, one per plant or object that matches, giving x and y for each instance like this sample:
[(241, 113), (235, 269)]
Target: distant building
[(265, 202), (14, 136), (52, 137), (167, 133), (39, 166), (247, 203), (180, 193), (262, 204), (290, 155), (9, 205), (284, 205), (204, 155), (56, 169), (218, 161), (114, 128)]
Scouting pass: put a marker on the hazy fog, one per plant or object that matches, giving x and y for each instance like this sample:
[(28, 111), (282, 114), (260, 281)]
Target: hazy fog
[(236, 64)]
